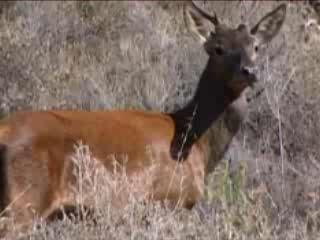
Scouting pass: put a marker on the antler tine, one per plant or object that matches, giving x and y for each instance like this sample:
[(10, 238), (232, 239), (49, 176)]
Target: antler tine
[(213, 19)]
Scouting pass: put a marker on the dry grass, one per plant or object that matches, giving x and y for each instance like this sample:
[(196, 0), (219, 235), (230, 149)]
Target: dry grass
[(230, 214), (103, 55)]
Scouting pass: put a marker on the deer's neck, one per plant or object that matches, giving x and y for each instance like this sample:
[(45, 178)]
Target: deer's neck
[(193, 120), (223, 130)]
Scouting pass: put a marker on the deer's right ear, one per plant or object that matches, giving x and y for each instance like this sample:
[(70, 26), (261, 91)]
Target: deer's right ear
[(199, 22)]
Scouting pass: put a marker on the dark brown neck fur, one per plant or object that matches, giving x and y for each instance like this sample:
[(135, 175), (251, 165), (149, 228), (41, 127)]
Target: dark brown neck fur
[(210, 100)]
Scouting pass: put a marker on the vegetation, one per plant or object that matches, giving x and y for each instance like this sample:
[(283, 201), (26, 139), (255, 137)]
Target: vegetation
[(107, 55)]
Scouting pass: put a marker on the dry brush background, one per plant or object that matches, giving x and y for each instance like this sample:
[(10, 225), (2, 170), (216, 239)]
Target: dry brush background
[(132, 54)]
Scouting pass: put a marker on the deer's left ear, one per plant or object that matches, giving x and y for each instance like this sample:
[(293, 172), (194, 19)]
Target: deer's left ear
[(268, 27)]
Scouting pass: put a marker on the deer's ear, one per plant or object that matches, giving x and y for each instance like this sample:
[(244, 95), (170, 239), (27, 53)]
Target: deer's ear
[(268, 27), (199, 22)]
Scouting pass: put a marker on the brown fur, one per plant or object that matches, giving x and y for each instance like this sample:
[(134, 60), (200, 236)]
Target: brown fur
[(39, 144)]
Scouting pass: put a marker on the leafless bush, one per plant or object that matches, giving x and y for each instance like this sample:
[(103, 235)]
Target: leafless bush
[(103, 55), (246, 219)]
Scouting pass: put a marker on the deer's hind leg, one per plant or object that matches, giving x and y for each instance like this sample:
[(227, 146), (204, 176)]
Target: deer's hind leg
[(31, 185)]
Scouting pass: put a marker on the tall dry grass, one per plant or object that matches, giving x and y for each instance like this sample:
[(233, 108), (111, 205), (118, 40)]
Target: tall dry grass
[(132, 54), (232, 213)]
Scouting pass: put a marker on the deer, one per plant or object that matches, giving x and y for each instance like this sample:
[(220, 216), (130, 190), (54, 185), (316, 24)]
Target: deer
[(35, 146)]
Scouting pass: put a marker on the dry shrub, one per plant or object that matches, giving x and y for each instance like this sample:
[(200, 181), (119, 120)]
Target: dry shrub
[(104, 55), (237, 219)]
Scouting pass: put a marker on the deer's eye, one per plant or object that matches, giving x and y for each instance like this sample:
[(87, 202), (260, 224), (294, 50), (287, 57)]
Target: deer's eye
[(256, 48)]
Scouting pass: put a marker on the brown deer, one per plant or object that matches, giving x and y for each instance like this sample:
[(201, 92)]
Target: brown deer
[(35, 147)]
